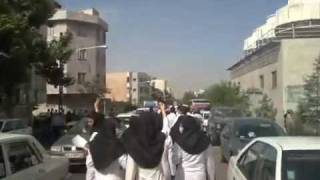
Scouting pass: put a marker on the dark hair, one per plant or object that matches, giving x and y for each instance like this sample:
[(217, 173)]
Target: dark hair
[(173, 109), (183, 109)]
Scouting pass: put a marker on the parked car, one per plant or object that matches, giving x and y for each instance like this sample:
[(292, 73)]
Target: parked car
[(64, 147), (240, 131), (22, 157), (277, 158), (16, 126), (218, 119)]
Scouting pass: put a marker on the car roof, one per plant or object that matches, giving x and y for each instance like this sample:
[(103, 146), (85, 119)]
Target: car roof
[(249, 120), (8, 136), (287, 143), (11, 119)]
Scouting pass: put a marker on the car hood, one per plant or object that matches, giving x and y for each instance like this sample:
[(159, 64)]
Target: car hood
[(67, 139)]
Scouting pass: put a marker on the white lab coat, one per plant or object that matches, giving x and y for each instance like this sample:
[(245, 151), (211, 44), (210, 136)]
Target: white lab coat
[(192, 167), (161, 172), (115, 171), (172, 119)]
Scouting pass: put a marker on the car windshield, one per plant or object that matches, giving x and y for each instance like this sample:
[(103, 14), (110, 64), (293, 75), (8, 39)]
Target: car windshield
[(301, 165), (229, 112), (258, 130), (79, 128), (14, 125)]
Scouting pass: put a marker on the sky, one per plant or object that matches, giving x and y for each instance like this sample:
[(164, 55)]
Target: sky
[(190, 43)]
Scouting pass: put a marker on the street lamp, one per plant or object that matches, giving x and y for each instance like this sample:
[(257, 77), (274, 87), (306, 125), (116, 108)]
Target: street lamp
[(94, 47)]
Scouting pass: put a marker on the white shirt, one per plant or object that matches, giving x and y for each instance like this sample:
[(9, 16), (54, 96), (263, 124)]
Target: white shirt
[(172, 119), (192, 167)]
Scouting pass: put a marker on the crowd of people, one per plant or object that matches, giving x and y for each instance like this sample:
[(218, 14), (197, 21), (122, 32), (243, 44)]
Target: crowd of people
[(48, 127), (156, 146)]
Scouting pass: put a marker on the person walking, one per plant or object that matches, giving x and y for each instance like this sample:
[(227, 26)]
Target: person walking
[(172, 117), (145, 144), (107, 153), (191, 146)]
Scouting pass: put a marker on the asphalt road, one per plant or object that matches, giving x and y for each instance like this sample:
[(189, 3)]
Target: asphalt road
[(78, 173)]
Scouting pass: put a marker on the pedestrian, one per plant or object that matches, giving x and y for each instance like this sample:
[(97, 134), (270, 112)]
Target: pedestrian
[(57, 125), (144, 142), (106, 159), (172, 117), (68, 117), (191, 146), (289, 122), (105, 153)]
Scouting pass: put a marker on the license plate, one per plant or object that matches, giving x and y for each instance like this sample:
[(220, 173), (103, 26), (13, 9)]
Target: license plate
[(74, 155)]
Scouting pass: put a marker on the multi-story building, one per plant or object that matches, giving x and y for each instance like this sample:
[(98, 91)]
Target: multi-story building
[(88, 62), (132, 87), (160, 84), (280, 54)]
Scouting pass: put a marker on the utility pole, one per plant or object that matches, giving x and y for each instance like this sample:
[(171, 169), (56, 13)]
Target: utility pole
[(60, 105)]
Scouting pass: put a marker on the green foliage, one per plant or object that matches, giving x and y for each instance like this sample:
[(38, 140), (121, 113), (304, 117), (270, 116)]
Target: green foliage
[(309, 107), (266, 108), (22, 46), (227, 94), (94, 87), (187, 96), (60, 54)]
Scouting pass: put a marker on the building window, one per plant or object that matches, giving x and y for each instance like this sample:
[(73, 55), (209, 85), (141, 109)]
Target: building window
[(134, 79), (274, 80), (261, 81), (81, 78), (134, 89), (128, 79), (51, 31), (82, 55)]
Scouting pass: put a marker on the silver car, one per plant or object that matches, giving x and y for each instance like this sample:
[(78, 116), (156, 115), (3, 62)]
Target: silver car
[(17, 126), (238, 132), (22, 157), (65, 148)]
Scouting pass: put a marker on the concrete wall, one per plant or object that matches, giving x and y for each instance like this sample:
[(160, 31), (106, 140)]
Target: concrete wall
[(118, 86), (298, 58), (263, 64), (293, 60)]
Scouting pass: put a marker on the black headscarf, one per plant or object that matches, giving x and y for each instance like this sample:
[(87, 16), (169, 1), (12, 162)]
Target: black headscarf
[(188, 135), (144, 141), (105, 147)]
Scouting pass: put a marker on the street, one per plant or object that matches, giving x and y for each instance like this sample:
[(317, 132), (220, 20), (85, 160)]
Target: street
[(221, 168)]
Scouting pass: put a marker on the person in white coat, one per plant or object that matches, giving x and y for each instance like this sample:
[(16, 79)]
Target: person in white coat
[(145, 144), (106, 158), (172, 117), (191, 146)]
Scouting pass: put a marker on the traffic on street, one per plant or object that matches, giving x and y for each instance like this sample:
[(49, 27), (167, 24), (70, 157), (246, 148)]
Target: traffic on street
[(160, 90)]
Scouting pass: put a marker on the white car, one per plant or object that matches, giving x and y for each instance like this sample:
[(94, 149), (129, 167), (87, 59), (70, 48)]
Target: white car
[(22, 157), (16, 126), (277, 158)]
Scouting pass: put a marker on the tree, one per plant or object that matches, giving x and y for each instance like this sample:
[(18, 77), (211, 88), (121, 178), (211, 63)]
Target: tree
[(53, 69), (227, 93), (266, 108), (22, 45), (94, 87), (187, 97), (311, 100)]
